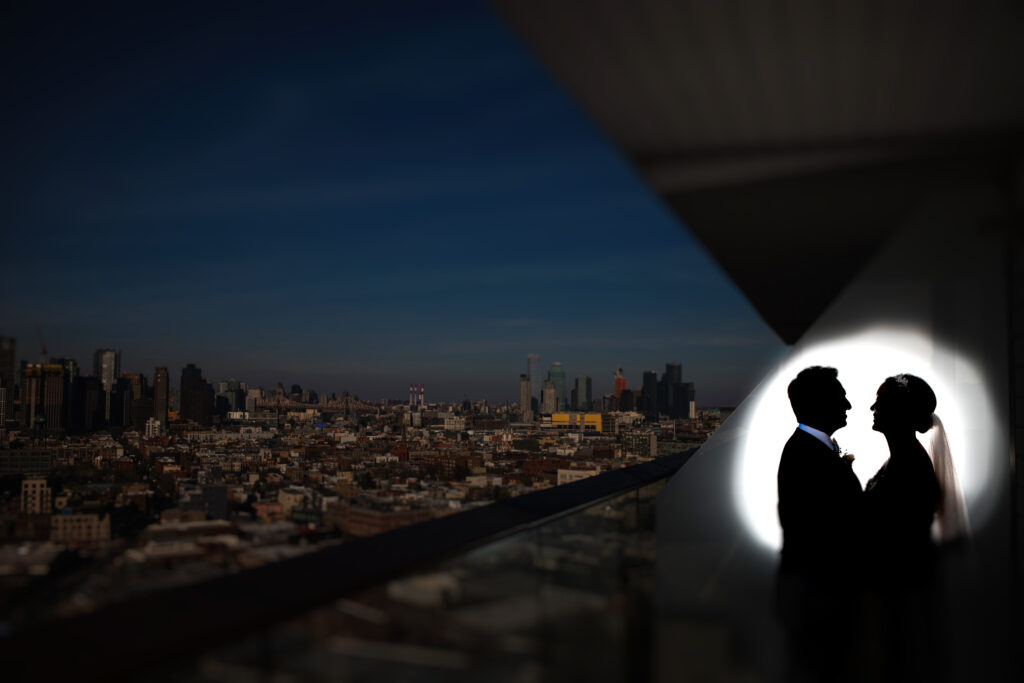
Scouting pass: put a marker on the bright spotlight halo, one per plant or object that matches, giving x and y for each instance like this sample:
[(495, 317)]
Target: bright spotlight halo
[(863, 360)]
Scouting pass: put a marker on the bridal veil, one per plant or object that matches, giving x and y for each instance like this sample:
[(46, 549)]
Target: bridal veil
[(951, 523)]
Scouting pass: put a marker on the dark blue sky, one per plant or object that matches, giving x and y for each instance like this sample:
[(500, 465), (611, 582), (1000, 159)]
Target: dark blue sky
[(347, 198)]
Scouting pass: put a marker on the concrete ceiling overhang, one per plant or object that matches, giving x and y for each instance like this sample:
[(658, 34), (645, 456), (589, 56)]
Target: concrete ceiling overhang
[(792, 137)]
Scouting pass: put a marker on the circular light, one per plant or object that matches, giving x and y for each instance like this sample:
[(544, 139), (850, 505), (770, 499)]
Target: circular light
[(864, 361)]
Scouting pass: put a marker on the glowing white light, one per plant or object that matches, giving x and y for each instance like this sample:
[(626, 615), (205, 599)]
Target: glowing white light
[(864, 361)]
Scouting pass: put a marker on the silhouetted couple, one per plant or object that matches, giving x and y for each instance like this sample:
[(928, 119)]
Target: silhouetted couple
[(854, 585)]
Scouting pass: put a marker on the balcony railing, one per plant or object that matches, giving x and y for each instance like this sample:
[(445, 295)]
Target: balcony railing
[(518, 585)]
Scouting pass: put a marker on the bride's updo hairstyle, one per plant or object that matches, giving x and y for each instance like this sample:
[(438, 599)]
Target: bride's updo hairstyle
[(912, 401)]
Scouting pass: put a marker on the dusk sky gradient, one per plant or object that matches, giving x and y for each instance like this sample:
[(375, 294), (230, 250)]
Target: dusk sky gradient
[(345, 197)]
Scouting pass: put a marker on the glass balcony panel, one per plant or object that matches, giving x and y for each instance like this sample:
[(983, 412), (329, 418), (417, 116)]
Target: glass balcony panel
[(568, 599)]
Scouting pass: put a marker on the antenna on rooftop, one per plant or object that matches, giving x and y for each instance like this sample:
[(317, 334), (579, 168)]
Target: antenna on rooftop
[(42, 345)]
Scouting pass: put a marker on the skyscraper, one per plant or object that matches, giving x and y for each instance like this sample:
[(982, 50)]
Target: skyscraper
[(203, 403), (106, 366), (649, 402), (43, 398), (7, 358), (525, 398), (626, 401), (674, 373), (160, 396), (557, 376), (684, 400), (191, 379), (583, 393), (549, 398), (88, 401), (141, 406), (667, 389), (121, 403), (533, 373), (620, 383), (71, 379)]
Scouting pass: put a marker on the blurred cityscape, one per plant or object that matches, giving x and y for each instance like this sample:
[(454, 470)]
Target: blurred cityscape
[(113, 484)]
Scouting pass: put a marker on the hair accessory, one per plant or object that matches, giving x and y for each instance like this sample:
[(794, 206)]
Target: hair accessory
[(902, 380)]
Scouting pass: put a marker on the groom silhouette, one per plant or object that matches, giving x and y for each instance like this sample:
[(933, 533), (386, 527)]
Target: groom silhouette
[(819, 494), (819, 505)]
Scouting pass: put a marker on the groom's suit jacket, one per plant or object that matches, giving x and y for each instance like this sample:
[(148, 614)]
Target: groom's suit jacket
[(820, 510)]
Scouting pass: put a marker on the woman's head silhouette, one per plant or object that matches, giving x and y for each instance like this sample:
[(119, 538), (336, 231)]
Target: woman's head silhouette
[(904, 402)]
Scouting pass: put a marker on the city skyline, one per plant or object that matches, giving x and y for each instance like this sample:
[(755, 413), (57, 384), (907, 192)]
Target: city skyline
[(388, 195), (106, 374)]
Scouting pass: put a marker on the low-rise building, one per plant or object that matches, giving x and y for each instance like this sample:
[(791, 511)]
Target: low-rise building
[(82, 528), (35, 497)]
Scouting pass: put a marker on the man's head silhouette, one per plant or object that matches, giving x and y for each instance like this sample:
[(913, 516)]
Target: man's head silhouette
[(818, 399)]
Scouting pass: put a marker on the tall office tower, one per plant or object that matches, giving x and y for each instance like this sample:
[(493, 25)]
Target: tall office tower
[(7, 354), (55, 398), (87, 415), (30, 393), (533, 374), (252, 396), (664, 398), (549, 398), (674, 373), (525, 398), (141, 406), (203, 402), (666, 391), (557, 376), (71, 378), (626, 400), (191, 379), (620, 383), (584, 399), (106, 366), (120, 400), (197, 396), (43, 398), (649, 404), (138, 382), (160, 396), (684, 400)]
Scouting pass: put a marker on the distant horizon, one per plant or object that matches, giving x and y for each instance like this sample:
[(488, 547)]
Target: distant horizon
[(511, 394)]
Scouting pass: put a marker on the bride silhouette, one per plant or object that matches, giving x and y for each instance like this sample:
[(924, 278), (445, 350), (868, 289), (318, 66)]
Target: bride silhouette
[(915, 497), (913, 501)]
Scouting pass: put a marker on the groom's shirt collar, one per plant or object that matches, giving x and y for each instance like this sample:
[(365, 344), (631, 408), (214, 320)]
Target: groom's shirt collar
[(819, 435)]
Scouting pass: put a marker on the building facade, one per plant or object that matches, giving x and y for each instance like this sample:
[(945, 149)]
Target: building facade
[(557, 376), (525, 398)]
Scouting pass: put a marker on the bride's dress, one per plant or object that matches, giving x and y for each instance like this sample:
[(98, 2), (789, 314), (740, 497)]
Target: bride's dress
[(900, 503), (913, 501)]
